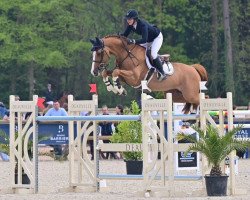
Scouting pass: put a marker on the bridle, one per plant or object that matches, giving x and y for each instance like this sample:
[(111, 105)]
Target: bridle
[(102, 66)]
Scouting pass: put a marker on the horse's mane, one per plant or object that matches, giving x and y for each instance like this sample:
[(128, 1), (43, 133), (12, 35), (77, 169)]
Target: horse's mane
[(114, 35), (123, 38)]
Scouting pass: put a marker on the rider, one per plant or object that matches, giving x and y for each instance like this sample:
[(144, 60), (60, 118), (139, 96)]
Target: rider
[(151, 36)]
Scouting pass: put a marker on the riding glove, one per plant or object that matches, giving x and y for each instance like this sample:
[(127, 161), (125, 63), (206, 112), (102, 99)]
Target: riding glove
[(120, 34), (131, 41)]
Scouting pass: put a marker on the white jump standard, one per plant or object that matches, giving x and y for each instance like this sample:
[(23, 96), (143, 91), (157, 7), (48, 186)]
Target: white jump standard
[(79, 160)]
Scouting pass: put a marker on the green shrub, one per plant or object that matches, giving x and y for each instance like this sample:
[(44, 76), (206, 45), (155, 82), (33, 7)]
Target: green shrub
[(129, 132)]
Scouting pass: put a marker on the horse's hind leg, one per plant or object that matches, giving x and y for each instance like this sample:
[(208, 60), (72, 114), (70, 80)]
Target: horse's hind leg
[(176, 96), (195, 108), (192, 102), (191, 95)]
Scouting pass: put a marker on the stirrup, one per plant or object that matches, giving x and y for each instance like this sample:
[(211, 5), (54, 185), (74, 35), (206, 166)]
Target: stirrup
[(161, 76)]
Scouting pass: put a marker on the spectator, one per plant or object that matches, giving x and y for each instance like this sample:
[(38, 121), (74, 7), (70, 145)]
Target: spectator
[(56, 110), (119, 111), (106, 130), (49, 95), (3, 110), (6, 116)]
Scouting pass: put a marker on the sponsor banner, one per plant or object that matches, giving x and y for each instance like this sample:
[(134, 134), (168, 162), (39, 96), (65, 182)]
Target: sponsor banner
[(57, 132)]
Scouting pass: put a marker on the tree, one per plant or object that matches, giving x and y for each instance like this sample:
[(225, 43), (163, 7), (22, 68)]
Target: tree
[(229, 84), (214, 31), (45, 41)]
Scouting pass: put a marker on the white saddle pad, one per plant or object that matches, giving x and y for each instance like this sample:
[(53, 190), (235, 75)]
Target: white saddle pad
[(167, 67)]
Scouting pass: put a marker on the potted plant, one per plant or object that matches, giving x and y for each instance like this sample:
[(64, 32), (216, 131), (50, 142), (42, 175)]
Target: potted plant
[(5, 148), (215, 148), (130, 132)]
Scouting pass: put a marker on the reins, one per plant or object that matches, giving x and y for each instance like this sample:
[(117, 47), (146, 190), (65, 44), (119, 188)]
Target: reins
[(150, 72), (129, 54)]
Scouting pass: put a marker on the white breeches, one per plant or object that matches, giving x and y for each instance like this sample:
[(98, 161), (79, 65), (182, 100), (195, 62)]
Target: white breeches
[(155, 45)]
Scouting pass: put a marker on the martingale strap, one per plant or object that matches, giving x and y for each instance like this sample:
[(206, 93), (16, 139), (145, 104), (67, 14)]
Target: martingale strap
[(148, 77), (129, 54)]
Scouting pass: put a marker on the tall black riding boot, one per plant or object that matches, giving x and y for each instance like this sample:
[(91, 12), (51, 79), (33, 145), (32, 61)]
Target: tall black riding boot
[(158, 66)]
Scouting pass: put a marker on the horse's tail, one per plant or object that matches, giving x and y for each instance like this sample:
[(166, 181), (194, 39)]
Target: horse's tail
[(204, 77), (202, 72)]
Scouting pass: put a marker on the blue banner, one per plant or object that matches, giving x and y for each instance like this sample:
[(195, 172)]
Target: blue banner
[(57, 132), (244, 133)]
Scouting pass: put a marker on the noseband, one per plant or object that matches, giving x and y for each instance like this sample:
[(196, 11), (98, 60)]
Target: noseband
[(102, 66)]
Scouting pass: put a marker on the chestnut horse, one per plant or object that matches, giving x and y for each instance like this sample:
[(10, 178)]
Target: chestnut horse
[(63, 99), (131, 68)]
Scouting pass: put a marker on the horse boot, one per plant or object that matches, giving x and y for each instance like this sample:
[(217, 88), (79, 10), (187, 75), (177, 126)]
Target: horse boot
[(158, 66)]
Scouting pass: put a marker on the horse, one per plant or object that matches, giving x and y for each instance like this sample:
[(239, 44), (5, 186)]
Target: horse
[(131, 68), (63, 101)]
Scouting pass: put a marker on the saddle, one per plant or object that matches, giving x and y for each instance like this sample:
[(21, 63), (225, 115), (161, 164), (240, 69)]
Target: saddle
[(166, 64)]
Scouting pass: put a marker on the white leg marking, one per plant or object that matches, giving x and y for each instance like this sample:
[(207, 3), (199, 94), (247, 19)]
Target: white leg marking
[(121, 90), (108, 84), (93, 64)]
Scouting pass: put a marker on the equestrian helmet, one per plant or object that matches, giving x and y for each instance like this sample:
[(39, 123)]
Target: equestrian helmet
[(131, 14)]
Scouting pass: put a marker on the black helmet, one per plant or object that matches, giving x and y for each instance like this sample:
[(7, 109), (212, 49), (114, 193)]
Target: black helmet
[(131, 14)]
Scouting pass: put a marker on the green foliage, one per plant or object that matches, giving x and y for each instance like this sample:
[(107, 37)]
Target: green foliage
[(53, 36), (214, 147), (56, 58), (129, 132), (4, 147)]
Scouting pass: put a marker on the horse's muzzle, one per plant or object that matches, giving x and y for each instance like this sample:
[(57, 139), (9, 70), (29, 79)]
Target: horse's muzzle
[(94, 72)]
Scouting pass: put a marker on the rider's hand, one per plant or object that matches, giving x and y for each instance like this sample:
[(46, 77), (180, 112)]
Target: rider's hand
[(120, 34), (131, 41)]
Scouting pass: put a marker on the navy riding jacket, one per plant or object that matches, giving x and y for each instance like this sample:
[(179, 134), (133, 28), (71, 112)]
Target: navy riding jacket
[(143, 28)]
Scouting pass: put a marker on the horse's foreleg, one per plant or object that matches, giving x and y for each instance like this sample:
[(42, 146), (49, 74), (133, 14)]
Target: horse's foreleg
[(109, 85), (115, 77), (118, 87)]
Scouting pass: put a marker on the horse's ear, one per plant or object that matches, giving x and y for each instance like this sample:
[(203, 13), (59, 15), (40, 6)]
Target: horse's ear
[(99, 41), (92, 41)]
